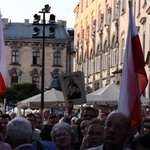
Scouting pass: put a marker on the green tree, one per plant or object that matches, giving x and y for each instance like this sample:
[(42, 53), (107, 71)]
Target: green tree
[(19, 91)]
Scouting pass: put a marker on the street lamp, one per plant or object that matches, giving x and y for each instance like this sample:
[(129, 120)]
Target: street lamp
[(36, 34)]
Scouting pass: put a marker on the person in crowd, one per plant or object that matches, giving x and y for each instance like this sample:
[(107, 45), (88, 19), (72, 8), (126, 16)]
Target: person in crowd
[(73, 120), (46, 141), (53, 119), (39, 121), (94, 135), (81, 132), (35, 132), (12, 114), (19, 133), (146, 128), (46, 114), (63, 135), (4, 119), (102, 116), (3, 145), (89, 112), (146, 125), (116, 129), (141, 142), (68, 115)]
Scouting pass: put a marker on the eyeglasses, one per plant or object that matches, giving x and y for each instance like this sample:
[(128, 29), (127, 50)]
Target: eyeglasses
[(62, 134)]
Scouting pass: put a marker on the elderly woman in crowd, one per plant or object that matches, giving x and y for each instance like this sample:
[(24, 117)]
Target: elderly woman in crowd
[(63, 135)]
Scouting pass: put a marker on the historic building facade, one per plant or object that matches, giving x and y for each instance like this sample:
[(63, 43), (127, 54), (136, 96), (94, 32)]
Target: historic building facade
[(24, 53), (100, 33)]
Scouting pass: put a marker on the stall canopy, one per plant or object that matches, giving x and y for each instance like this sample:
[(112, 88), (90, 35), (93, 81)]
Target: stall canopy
[(108, 97), (52, 98)]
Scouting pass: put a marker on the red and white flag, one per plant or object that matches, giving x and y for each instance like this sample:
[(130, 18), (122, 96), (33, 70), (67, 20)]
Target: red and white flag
[(134, 78), (2, 61)]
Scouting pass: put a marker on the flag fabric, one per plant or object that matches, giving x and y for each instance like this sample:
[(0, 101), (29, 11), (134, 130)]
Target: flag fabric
[(134, 79), (2, 60)]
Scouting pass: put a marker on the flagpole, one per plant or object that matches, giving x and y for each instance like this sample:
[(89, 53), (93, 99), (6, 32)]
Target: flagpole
[(139, 104)]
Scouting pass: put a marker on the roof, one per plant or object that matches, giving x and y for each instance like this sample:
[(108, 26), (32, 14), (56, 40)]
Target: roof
[(25, 30)]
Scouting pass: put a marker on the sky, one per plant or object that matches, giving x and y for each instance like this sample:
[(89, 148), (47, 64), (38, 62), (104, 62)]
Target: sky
[(18, 10)]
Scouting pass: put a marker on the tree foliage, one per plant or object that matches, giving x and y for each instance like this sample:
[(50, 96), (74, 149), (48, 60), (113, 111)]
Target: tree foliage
[(19, 91)]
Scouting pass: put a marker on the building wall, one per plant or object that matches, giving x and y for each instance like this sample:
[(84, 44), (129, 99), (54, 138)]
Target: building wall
[(99, 21), (26, 46)]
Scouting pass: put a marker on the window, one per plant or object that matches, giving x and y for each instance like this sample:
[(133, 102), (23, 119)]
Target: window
[(144, 43), (105, 56), (113, 52), (36, 58), (91, 66), (15, 57), (98, 59), (81, 5), (35, 74), (14, 79), (139, 7), (115, 9), (98, 63), (91, 62), (85, 68), (96, 86), (123, 6), (122, 50), (86, 3), (57, 59), (35, 80)]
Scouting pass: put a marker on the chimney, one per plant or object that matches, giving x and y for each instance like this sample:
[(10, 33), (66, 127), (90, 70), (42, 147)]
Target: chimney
[(61, 22), (26, 21), (4, 22)]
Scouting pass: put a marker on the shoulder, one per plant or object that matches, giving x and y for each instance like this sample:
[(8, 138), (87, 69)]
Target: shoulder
[(4, 146), (96, 148), (126, 148)]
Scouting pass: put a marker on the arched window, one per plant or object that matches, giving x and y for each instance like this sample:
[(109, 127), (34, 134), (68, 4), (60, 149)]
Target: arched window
[(105, 56), (35, 74), (91, 62), (122, 49), (14, 73), (98, 58), (113, 52)]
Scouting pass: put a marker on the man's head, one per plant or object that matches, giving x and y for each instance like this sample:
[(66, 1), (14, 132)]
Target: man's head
[(4, 119), (19, 132), (95, 133), (88, 112), (46, 113), (12, 115), (30, 117), (116, 129), (53, 119)]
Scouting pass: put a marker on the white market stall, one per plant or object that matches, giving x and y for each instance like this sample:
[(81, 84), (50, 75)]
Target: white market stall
[(52, 98)]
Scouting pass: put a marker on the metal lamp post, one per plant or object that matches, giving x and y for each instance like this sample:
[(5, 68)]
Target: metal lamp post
[(36, 34)]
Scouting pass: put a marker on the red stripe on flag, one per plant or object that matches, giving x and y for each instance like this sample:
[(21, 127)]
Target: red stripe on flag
[(139, 63), (2, 85), (2, 60)]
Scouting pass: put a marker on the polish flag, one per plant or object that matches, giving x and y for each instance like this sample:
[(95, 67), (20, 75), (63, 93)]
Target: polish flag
[(134, 79), (2, 60)]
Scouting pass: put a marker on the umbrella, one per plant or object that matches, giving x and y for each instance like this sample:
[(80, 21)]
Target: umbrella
[(52, 98), (108, 96)]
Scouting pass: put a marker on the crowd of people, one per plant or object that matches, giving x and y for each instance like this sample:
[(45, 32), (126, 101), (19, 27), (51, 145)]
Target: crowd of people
[(91, 130)]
